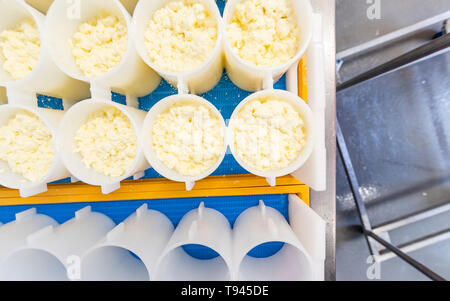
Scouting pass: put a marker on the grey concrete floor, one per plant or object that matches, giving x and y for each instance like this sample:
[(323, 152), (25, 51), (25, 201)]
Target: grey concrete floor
[(397, 128)]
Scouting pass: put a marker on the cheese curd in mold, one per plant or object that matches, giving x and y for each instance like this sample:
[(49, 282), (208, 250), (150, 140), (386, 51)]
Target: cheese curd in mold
[(26, 144), (181, 35), (99, 44), (20, 48), (107, 142), (264, 32), (188, 138), (269, 134)]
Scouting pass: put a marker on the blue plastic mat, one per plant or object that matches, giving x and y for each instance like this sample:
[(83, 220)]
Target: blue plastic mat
[(174, 209)]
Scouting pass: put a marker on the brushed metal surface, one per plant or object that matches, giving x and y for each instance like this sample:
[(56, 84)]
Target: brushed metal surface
[(398, 133)]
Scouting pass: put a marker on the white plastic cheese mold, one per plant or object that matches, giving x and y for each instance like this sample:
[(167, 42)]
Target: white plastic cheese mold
[(253, 78), (74, 118), (131, 77), (45, 77), (147, 247), (310, 130), (52, 120), (146, 138), (54, 252), (196, 81)]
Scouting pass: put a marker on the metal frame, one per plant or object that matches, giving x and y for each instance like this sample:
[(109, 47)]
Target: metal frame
[(373, 235), (378, 237), (391, 37), (433, 48)]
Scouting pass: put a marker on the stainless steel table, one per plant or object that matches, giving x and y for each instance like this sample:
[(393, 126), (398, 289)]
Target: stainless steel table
[(324, 203)]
